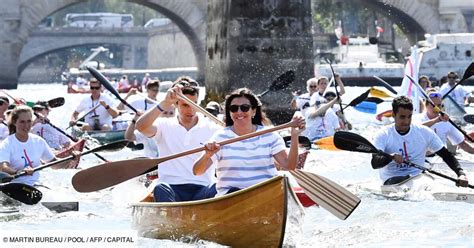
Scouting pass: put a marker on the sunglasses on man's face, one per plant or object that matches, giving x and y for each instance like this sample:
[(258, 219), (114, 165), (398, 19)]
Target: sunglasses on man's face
[(95, 88), (244, 108), (452, 77)]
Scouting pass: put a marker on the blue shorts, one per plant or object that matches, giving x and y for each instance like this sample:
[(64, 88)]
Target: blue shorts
[(164, 192)]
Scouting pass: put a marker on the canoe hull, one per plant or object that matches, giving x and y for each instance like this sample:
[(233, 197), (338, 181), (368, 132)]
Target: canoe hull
[(78, 146), (254, 217)]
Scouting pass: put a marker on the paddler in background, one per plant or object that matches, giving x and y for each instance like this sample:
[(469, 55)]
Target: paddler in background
[(406, 141), (440, 125)]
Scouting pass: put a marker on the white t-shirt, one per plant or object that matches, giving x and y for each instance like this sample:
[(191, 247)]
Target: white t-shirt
[(173, 138), (247, 162), (320, 127), (317, 99), (141, 104), (104, 117), (444, 130), (53, 137), (150, 149), (412, 146), (4, 132), (18, 154), (302, 102), (458, 94)]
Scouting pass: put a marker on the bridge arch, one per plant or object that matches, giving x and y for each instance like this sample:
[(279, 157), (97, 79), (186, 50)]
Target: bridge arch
[(413, 22), (189, 16)]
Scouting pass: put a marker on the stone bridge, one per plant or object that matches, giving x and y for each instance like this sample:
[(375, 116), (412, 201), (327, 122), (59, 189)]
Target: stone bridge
[(19, 20), (41, 42)]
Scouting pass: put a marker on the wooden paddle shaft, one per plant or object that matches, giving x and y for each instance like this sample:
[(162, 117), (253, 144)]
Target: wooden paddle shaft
[(200, 109), (226, 142)]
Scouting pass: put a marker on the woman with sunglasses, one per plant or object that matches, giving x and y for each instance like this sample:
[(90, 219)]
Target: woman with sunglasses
[(440, 125), (301, 101), (245, 163)]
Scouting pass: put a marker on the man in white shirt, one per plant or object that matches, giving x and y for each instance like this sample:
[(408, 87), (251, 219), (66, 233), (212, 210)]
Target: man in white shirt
[(101, 117), (440, 125), (405, 141), (188, 130), (459, 94)]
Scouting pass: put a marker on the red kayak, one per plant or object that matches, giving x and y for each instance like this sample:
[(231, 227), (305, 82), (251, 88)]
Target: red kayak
[(78, 146)]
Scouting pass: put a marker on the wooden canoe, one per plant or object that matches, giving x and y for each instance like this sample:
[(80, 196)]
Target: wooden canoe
[(78, 146), (253, 217)]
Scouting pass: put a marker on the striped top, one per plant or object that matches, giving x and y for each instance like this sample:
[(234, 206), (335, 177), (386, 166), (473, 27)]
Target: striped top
[(247, 162)]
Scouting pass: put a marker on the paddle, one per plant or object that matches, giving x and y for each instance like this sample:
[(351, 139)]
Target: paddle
[(15, 100), (113, 146), (379, 93), (366, 107), (375, 100), (327, 194), (67, 135), (302, 140), (22, 192), (200, 109), (437, 109), (105, 82), (386, 85), (353, 142), (83, 116), (56, 102), (281, 82), (348, 125), (109, 174), (469, 118), (467, 74), (358, 99), (326, 143)]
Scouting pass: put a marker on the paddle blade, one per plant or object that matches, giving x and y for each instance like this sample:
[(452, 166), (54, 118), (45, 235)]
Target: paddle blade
[(326, 143), (469, 72), (360, 98), (22, 192), (353, 142), (379, 93), (366, 107), (327, 194), (302, 140), (376, 100), (386, 85), (283, 81), (103, 80), (109, 174), (56, 102), (469, 118)]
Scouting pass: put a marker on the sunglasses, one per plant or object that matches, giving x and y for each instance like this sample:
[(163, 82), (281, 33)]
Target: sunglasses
[(313, 86), (452, 77), (435, 95), (95, 88), (244, 108), (187, 84)]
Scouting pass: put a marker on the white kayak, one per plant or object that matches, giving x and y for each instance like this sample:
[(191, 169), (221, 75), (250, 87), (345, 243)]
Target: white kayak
[(422, 187)]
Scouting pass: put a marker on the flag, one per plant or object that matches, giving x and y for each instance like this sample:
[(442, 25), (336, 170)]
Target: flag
[(408, 88)]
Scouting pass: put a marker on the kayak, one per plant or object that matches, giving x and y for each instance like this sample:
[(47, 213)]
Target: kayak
[(103, 137), (254, 217), (78, 146), (421, 185)]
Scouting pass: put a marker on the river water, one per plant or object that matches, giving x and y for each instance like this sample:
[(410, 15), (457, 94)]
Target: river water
[(414, 221)]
